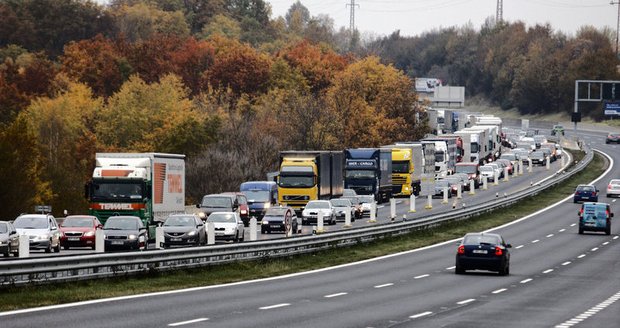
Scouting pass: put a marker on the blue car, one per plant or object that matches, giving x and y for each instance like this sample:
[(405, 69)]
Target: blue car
[(595, 217), (585, 193)]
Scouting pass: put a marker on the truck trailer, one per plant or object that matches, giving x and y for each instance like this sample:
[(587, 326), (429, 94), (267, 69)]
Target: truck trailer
[(368, 171)]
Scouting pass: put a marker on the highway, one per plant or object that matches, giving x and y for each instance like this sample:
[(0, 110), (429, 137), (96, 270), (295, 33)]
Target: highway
[(558, 279)]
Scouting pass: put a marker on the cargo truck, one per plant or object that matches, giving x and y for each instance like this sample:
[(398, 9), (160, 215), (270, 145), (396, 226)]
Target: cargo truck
[(147, 185), (309, 175), (368, 171), (473, 148), (451, 147), (421, 162)]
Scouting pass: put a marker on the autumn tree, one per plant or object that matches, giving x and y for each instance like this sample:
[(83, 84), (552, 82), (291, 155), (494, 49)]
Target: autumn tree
[(142, 21)]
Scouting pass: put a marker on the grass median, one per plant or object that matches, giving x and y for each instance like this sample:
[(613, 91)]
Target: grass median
[(33, 296)]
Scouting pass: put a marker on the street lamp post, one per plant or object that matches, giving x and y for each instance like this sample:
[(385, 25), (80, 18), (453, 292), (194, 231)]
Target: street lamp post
[(617, 23)]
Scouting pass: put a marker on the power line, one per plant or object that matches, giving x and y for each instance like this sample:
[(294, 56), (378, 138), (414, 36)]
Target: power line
[(352, 17)]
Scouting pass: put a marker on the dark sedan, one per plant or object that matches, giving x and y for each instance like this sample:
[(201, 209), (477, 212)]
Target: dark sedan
[(79, 231), (585, 193), (279, 219), (125, 233), (613, 138), (183, 230), (483, 251)]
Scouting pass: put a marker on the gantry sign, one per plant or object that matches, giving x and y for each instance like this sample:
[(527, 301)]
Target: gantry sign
[(607, 92)]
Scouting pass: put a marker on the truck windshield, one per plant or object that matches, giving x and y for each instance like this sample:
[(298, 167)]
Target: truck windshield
[(474, 147), (439, 156), (359, 174), (113, 190), (254, 196), (296, 181), (400, 167)]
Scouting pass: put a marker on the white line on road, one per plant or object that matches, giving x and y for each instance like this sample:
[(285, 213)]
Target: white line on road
[(499, 291), (574, 224), (547, 271), (450, 268), (561, 230), (520, 246), (566, 263), (334, 295), (594, 249), (592, 311), (581, 256), (175, 324), (526, 280), (421, 276), (419, 315), (535, 241), (466, 301), (616, 237), (605, 243), (275, 306), (384, 285), (550, 235)]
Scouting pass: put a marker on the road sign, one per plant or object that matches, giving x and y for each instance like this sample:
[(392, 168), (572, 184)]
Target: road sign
[(612, 108), (43, 209), (427, 184)]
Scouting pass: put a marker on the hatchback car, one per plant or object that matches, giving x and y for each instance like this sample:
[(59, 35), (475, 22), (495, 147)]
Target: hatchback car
[(488, 172), (244, 208), (587, 193), (279, 219), (538, 158), (341, 205), (124, 233), (314, 208), (595, 217), (227, 226), (483, 251), (612, 138), (183, 230), (9, 239), (217, 203), (366, 202), (79, 231), (506, 163), (41, 229), (613, 188), (441, 185)]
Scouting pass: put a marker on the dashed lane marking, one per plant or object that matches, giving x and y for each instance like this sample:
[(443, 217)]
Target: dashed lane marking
[(520, 246), (335, 295), (421, 276), (550, 235), (469, 300), (590, 312), (535, 241), (450, 268), (275, 306), (561, 230), (594, 249), (526, 280), (547, 271), (574, 224), (566, 263), (384, 285), (181, 323), (419, 315), (499, 291), (581, 256)]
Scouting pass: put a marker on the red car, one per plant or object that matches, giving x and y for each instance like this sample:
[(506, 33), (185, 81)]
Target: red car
[(79, 231)]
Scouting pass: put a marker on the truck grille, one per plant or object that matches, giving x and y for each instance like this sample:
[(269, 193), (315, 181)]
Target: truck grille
[(398, 180)]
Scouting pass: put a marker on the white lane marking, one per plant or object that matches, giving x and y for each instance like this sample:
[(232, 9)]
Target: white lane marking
[(590, 312), (566, 263), (613, 201), (421, 276), (385, 285), (574, 224), (419, 315), (520, 246), (275, 306), (535, 241), (581, 256), (616, 237), (181, 323), (605, 243), (526, 280), (298, 274), (499, 291), (335, 295), (594, 249), (547, 271), (466, 301), (550, 235), (561, 230), (450, 268)]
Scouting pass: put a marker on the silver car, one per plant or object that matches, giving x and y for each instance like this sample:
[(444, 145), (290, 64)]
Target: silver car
[(341, 205), (9, 239), (613, 188), (227, 226), (42, 231)]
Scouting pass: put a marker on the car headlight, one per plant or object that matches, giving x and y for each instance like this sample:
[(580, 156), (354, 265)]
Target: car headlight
[(265, 222), (89, 234), (267, 205), (201, 215), (132, 237), (191, 233)]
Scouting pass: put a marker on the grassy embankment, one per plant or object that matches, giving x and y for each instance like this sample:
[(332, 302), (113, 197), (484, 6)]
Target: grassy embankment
[(32, 296)]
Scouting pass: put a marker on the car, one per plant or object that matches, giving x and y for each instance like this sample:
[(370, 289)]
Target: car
[(613, 188), (79, 231), (41, 229), (440, 186), (455, 183), (243, 208), (549, 153), (125, 232), (483, 251), (472, 170), (314, 207), (341, 205), (349, 192), (487, 171), (538, 158), (279, 219), (261, 195), (585, 193), (357, 204), (513, 157), (506, 163), (184, 230), (595, 217), (227, 226), (612, 138), (557, 130), (217, 203), (366, 204), (9, 239), (465, 178)]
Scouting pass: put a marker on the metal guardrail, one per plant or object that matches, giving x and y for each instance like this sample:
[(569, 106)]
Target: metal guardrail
[(72, 268)]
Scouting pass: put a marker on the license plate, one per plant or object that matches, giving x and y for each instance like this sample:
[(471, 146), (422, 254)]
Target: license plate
[(219, 233), (274, 226), (73, 238), (175, 239), (117, 242), (480, 251), (590, 224)]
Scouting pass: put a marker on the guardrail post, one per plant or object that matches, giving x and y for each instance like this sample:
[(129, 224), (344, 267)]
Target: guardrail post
[(495, 178), (529, 165), (445, 195), (99, 241), (347, 217), (485, 182), (253, 229), (459, 191), (412, 203), (24, 246), (319, 222), (210, 233), (506, 174), (159, 238), (373, 212), (472, 187), (392, 209), (548, 163), (429, 202)]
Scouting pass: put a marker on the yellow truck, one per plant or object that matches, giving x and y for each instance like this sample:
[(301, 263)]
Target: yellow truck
[(402, 173)]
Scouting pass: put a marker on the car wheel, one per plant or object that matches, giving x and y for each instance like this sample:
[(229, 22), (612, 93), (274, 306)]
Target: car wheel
[(458, 269), (608, 230), (580, 230), (66, 247), (49, 247), (57, 248), (504, 271), (236, 239)]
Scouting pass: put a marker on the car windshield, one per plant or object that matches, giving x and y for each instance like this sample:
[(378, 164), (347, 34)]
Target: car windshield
[(216, 202), (366, 199), (537, 154), (510, 157), (77, 222), (442, 183), (4, 228), (353, 199), (481, 239), (586, 188), (257, 195), (221, 217), (121, 224), (614, 182), (349, 192), (276, 211), (179, 221), (31, 222), (340, 202), (317, 205), (486, 168), (469, 169)]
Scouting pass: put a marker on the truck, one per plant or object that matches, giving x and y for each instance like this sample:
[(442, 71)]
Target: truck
[(309, 175), (150, 186), (368, 171), (494, 139), (473, 146), (421, 163), (447, 147)]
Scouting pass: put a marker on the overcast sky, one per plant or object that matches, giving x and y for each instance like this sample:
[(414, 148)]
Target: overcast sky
[(413, 17)]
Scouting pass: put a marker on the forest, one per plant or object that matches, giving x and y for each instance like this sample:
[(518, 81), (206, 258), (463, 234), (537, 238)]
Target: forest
[(229, 85)]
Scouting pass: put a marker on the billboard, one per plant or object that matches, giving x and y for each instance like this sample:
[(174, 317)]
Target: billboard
[(612, 107), (425, 84)]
